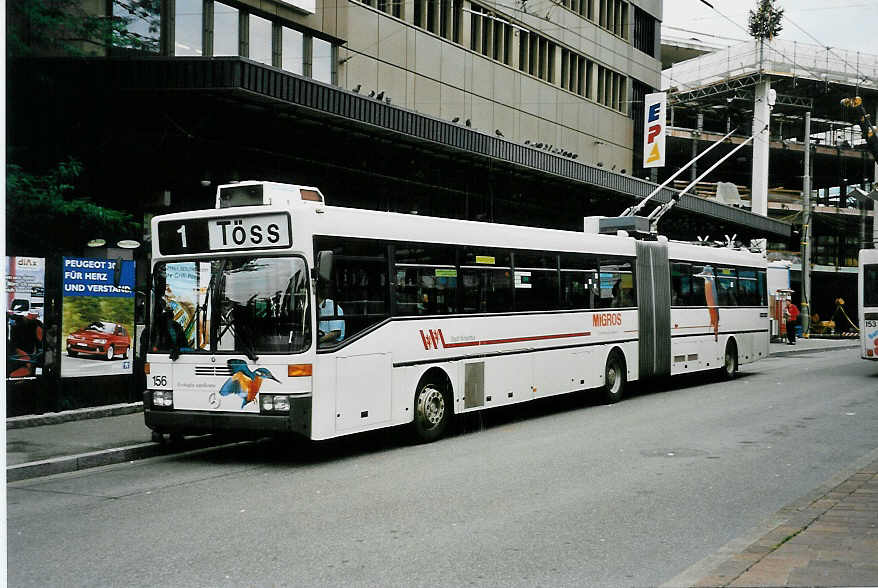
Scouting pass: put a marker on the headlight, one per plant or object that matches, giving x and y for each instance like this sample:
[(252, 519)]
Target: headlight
[(282, 403), (100, 341), (274, 402), (267, 402), (163, 398)]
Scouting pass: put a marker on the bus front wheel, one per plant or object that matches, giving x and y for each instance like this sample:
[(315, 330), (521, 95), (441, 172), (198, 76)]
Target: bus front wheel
[(432, 411), (614, 377)]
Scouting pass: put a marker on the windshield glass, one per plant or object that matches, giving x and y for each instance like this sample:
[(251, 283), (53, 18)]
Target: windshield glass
[(100, 327), (245, 305), (870, 284)]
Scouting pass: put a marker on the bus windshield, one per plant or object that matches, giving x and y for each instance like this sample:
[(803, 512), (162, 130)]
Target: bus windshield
[(244, 305), (870, 284)]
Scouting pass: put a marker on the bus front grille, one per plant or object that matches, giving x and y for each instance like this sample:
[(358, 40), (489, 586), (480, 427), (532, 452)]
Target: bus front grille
[(213, 370)]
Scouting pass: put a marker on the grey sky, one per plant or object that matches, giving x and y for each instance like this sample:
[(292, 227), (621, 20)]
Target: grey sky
[(845, 24)]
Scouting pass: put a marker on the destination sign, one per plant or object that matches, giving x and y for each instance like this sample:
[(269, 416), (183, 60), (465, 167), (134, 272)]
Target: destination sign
[(231, 233)]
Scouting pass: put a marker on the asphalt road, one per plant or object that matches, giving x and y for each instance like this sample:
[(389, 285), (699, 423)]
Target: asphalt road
[(556, 493)]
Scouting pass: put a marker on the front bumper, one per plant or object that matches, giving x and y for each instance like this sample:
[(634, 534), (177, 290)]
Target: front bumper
[(86, 349), (203, 421)]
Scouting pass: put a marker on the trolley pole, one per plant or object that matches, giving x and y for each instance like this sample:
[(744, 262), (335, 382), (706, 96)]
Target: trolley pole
[(806, 231)]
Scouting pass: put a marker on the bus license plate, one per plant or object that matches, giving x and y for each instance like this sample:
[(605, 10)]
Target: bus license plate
[(250, 232)]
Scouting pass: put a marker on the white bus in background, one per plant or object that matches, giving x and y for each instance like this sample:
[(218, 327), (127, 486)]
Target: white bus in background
[(425, 318), (867, 305)]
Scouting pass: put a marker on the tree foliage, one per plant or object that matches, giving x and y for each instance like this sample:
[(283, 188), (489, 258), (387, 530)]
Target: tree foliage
[(44, 211), (765, 21), (45, 214), (65, 27)]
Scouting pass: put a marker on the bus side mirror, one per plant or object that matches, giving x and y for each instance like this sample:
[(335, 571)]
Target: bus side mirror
[(324, 265)]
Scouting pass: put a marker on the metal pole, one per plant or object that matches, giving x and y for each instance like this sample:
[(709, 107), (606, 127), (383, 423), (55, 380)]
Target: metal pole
[(806, 231), (699, 128), (875, 202)]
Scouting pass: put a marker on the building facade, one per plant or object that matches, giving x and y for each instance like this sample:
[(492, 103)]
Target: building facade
[(560, 74)]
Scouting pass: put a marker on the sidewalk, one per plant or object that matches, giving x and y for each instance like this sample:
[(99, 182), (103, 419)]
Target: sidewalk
[(828, 538), (812, 345), (72, 441)]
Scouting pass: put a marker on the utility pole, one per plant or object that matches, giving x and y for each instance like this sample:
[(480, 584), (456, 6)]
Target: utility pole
[(806, 231), (761, 118)]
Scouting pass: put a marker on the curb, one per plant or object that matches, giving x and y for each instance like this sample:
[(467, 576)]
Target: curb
[(805, 351), (79, 414), (73, 463)]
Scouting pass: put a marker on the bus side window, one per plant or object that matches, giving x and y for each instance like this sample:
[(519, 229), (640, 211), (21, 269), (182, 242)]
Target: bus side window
[(748, 287), (426, 279), (696, 282), (681, 288), (578, 280), (616, 284), (727, 286), (486, 275), (536, 281), (359, 284)]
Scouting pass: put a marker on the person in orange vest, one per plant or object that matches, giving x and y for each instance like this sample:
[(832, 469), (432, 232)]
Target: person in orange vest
[(791, 315)]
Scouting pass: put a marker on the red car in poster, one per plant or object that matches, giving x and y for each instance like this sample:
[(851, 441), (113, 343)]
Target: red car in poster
[(99, 338)]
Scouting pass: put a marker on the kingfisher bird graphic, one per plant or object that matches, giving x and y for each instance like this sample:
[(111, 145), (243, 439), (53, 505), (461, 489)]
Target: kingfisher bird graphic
[(244, 382)]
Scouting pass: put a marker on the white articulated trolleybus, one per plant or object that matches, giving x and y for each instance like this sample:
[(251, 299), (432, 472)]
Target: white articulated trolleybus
[(867, 307), (277, 313)]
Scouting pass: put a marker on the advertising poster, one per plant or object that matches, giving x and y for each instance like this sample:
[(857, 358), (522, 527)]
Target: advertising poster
[(654, 127), (97, 326), (25, 312)]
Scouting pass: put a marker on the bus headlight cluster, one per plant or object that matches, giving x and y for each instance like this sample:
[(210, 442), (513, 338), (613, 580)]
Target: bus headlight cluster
[(163, 398), (275, 402)]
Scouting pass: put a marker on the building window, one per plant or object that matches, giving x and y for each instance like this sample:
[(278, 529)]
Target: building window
[(490, 35), (576, 73), (584, 8), (321, 60), (225, 30), (188, 27), (440, 17), (614, 17), (536, 56), (393, 7), (234, 32), (292, 50), (260, 39), (644, 32), (142, 22), (612, 89)]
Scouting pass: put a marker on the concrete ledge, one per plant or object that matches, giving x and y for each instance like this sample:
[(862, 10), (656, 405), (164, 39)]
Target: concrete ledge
[(54, 418), (73, 463)]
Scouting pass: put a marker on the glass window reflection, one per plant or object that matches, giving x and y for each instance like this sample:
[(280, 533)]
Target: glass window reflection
[(188, 27), (142, 23), (321, 61), (225, 30), (260, 39), (292, 50)]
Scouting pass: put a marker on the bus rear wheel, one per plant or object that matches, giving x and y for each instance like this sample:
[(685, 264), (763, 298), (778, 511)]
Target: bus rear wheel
[(614, 377), (730, 361), (432, 411)]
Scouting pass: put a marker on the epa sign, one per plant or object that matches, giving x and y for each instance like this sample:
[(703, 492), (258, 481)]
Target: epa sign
[(655, 117)]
